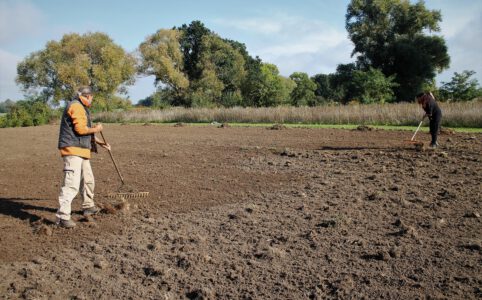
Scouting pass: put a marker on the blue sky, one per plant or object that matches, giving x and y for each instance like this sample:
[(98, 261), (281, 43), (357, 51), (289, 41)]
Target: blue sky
[(304, 35)]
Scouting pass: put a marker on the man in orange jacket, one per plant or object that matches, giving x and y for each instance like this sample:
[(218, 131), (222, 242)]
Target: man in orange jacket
[(76, 142)]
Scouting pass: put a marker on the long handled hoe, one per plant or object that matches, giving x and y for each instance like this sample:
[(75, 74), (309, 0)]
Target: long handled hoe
[(122, 194)]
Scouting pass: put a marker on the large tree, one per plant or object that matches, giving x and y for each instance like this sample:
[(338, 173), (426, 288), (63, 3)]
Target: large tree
[(323, 89), (194, 66), (341, 82), (89, 59), (161, 56), (395, 37), (191, 46), (304, 91), (269, 88), (219, 60)]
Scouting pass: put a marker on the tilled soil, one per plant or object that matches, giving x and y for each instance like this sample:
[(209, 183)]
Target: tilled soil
[(246, 213)]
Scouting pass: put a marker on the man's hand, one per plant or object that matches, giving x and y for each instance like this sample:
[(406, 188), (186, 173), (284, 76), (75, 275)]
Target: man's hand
[(106, 146), (97, 128), (102, 144)]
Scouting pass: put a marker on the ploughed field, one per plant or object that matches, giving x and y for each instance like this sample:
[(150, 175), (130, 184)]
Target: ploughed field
[(246, 213)]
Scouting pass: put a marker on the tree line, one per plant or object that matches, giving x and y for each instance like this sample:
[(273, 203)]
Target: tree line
[(396, 55)]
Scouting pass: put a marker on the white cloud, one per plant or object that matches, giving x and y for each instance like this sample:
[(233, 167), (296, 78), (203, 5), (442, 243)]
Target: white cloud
[(294, 43), (8, 72), (464, 49), (19, 19), (257, 25), (455, 17)]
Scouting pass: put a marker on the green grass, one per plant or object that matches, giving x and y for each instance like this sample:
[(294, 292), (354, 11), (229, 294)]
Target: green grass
[(424, 127)]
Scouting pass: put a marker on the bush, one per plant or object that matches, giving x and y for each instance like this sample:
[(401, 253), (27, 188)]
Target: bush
[(27, 113), (373, 87), (3, 121), (231, 99), (461, 88)]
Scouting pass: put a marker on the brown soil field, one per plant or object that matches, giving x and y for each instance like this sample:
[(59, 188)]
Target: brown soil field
[(246, 213)]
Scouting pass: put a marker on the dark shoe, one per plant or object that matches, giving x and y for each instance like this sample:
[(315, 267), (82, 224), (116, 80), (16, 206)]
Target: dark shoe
[(434, 145), (66, 223), (91, 211)]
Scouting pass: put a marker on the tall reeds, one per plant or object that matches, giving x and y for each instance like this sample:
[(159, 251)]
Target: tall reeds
[(458, 114)]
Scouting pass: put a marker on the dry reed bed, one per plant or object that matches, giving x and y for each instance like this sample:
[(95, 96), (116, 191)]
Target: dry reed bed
[(462, 114)]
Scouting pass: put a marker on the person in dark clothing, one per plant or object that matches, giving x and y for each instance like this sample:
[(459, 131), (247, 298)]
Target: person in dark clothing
[(434, 114)]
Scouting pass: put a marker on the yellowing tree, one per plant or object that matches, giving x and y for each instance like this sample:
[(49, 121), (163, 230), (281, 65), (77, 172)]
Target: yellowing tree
[(222, 69), (89, 59), (161, 56)]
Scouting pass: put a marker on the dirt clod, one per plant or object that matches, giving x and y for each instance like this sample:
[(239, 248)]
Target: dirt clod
[(108, 209), (472, 214), (364, 128), (100, 263), (277, 127), (374, 196), (447, 131), (43, 229)]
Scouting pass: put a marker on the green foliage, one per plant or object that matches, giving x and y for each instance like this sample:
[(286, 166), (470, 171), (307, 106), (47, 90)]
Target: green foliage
[(159, 99), (461, 88), (32, 112), (191, 47), (252, 67), (5, 106), (270, 89), (391, 36), (373, 87), (231, 99), (161, 56), (415, 63), (249, 86), (323, 86), (222, 70), (342, 83), (90, 59), (208, 89), (111, 103), (304, 91), (195, 66)]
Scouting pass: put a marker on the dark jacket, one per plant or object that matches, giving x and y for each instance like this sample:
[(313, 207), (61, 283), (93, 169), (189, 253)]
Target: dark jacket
[(67, 135), (431, 108)]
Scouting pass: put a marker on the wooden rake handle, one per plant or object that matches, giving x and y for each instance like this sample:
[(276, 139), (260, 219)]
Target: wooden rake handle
[(112, 157), (418, 128)]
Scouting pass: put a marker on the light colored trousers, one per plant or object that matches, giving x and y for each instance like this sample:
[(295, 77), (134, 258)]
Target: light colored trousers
[(77, 174)]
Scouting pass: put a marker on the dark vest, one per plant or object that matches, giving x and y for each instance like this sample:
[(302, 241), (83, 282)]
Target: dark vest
[(67, 135)]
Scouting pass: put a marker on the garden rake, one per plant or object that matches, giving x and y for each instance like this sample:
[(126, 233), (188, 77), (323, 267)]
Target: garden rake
[(412, 140), (418, 128), (119, 194)]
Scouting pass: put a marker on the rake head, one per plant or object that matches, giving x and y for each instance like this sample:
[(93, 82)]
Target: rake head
[(128, 195), (413, 142)]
